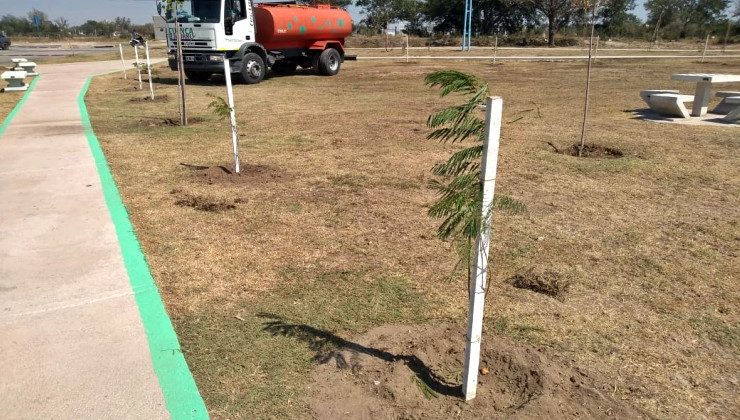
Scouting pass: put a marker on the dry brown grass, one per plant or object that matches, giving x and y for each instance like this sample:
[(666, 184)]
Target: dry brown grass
[(332, 230), (8, 100)]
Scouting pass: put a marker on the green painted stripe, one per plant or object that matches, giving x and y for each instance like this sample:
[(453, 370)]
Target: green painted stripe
[(4, 125), (180, 392)]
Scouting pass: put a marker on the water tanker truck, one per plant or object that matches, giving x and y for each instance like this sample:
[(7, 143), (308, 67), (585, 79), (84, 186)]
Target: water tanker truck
[(255, 38)]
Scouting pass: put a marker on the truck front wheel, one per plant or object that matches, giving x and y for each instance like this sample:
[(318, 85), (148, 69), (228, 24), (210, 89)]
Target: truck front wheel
[(253, 69), (329, 62)]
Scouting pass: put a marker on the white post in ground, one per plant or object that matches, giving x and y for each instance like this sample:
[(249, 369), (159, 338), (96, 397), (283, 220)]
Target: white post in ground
[(478, 280), (596, 50), (149, 69), (232, 115), (123, 61), (495, 49), (706, 45), (138, 66), (407, 48)]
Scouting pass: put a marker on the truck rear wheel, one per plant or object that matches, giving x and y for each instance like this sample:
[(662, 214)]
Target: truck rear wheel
[(253, 69), (197, 76), (329, 62)]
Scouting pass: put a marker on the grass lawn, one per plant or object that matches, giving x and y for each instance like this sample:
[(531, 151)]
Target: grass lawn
[(8, 100), (327, 226)]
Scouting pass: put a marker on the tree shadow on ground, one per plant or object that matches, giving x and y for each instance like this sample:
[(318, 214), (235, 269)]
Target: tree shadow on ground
[(329, 347)]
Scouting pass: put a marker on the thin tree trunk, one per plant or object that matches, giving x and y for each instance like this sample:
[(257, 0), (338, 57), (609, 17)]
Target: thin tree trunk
[(551, 31), (180, 72), (588, 80)]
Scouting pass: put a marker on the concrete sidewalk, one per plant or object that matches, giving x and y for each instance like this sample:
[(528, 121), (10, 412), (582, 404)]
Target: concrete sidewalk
[(72, 342)]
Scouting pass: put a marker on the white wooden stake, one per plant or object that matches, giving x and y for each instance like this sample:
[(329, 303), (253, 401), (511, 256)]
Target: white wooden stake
[(138, 67), (232, 115), (495, 49), (706, 44), (478, 280), (123, 61), (407, 48), (149, 69)]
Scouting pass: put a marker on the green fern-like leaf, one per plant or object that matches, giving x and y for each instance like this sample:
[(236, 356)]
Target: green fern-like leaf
[(219, 107)]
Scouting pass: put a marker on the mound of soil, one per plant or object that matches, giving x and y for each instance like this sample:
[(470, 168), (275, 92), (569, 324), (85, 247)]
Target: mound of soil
[(413, 372), (547, 282), (590, 151), (204, 203), (224, 174), (169, 122)]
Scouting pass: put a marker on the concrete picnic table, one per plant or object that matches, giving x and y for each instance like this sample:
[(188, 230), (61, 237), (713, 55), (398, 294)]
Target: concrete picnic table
[(704, 82)]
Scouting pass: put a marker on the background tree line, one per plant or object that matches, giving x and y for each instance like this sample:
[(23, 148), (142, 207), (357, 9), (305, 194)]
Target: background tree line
[(674, 18), (666, 19), (60, 27)]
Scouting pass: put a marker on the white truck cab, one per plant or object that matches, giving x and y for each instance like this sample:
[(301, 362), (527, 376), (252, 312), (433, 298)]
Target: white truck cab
[(215, 30)]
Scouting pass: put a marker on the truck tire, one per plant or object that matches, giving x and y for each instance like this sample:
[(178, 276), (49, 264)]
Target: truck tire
[(329, 62), (197, 76), (284, 68), (253, 69)]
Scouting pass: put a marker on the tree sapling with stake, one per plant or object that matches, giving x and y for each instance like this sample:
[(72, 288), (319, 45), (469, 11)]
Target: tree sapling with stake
[(467, 193)]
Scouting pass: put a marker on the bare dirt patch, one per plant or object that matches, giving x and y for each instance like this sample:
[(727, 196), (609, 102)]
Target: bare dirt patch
[(225, 174), (169, 122), (545, 281), (204, 202), (589, 151), (413, 372)]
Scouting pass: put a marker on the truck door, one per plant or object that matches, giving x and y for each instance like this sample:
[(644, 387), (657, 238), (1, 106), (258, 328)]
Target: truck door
[(239, 22)]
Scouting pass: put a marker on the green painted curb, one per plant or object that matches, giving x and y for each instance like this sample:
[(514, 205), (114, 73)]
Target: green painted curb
[(178, 387), (17, 107)]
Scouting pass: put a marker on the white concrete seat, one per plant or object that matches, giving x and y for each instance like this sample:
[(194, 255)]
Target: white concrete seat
[(733, 115), (16, 81), (670, 104), (27, 66), (724, 107), (646, 94)]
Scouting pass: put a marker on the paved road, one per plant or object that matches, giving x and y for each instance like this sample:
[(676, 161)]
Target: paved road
[(72, 342)]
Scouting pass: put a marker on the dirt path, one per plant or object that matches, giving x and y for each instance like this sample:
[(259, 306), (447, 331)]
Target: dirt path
[(73, 341)]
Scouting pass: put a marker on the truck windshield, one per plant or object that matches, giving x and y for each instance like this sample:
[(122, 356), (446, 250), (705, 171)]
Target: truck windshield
[(207, 11)]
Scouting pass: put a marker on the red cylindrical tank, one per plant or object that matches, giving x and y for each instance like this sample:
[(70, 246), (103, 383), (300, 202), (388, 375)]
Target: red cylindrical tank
[(294, 26)]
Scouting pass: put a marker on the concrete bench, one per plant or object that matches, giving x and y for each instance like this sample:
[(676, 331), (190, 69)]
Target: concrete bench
[(670, 104), (724, 107), (646, 94), (733, 115), (27, 66), (15, 81)]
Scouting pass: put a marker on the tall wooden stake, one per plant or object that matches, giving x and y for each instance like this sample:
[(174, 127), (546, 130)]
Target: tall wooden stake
[(479, 280), (232, 114), (123, 61), (138, 65), (495, 49), (149, 69), (727, 35), (180, 72), (706, 45), (588, 80)]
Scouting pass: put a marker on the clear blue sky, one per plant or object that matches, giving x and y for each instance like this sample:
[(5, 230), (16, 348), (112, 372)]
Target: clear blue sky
[(139, 11)]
